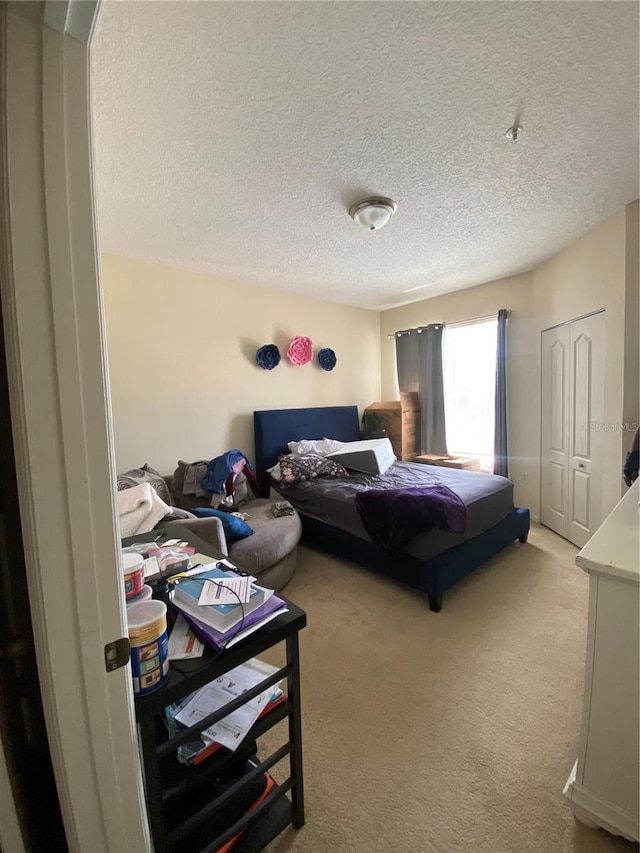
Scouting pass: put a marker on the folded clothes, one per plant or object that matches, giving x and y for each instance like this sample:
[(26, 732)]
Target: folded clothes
[(193, 473), (282, 508)]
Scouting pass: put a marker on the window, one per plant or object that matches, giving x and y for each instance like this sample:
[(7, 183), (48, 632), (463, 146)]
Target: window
[(469, 367)]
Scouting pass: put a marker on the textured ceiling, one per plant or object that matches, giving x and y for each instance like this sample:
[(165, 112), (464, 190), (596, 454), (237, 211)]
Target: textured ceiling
[(231, 138)]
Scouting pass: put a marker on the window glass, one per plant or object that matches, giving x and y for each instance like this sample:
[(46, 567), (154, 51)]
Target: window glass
[(469, 355)]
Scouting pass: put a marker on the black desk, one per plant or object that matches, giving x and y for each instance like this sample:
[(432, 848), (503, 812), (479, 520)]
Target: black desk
[(167, 781)]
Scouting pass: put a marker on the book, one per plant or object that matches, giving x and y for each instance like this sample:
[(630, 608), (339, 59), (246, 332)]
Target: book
[(273, 607), (222, 617)]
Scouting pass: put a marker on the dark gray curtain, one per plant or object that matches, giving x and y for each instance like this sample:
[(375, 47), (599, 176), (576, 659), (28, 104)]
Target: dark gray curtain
[(500, 447), (408, 360), (419, 360)]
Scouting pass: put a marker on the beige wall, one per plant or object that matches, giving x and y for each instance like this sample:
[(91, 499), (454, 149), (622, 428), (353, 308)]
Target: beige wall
[(587, 276), (590, 274), (182, 352), (181, 346), (514, 293), (631, 403)]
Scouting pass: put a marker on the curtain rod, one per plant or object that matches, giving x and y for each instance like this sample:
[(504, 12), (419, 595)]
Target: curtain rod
[(419, 329)]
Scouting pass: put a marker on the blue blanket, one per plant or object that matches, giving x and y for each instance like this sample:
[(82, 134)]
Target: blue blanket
[(392, 517)]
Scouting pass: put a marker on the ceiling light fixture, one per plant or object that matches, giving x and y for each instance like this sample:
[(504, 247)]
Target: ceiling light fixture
[(373, 213)]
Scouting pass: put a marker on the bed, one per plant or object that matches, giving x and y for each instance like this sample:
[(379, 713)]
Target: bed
[(431, 562)]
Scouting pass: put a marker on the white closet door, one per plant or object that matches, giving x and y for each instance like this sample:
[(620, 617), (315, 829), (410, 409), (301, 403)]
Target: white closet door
[(571, 404), (586, 402), (554, 483)]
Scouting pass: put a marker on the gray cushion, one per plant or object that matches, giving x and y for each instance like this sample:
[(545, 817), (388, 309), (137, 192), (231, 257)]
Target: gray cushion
[(277, 576), (178, 514), (273, 540), (177, 484), (241, 488), (209, 529), (146, 474)]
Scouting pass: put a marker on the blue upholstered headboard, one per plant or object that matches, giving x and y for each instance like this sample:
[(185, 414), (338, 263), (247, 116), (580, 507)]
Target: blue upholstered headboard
[(273, 428)]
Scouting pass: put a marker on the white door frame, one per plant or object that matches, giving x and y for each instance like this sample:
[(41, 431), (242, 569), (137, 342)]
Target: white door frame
[(61, 416), (11, 838)]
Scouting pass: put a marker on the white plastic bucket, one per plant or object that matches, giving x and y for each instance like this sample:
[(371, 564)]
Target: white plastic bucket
[(145, 595), (133, 573), (147, 622)]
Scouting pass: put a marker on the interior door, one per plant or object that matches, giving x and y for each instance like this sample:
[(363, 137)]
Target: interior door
[(52, 316), (572, 405), (586, 407), (554, 481)]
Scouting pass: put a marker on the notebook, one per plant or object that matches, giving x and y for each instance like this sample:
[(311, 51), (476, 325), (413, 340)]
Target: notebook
[(222, 617)]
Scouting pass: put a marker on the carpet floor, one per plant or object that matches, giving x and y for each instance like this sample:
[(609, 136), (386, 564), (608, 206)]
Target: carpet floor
[(446, 732)]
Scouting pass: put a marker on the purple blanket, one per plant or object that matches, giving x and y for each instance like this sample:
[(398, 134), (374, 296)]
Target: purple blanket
[(392, 517)]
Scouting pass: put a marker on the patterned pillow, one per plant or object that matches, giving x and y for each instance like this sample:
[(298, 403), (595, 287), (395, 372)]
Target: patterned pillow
[(146, 474), (295, 469)]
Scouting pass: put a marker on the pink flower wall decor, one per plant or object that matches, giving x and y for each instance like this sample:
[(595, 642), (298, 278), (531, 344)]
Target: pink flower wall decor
[(300, 350)]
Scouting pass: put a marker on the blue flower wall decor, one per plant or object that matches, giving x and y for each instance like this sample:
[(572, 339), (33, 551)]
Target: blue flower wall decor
[(327, 358), (268, 356)]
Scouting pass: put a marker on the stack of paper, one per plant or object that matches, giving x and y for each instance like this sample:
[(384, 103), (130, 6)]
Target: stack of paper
[(256, 620), (190, 597), (183, 642), (231, 730), (194, 612)]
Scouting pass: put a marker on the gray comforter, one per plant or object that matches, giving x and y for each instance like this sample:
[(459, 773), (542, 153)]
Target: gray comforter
[(487, 497)]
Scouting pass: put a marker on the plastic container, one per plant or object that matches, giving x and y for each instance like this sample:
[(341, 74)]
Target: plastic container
[(133, 573), (145, 595), (147, 622)]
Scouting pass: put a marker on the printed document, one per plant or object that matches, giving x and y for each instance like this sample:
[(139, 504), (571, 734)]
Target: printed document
[(183, 642), (226, 591), (231, 730)]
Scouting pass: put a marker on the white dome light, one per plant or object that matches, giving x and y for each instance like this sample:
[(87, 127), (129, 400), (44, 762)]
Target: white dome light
[(373, 213)]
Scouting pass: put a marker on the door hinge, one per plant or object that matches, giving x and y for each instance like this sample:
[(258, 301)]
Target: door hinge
[(116, 654)]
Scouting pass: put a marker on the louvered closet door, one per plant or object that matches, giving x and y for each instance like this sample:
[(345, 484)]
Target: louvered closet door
[(572, 410)]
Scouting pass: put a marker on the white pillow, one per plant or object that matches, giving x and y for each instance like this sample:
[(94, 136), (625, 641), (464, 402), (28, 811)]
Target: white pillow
[(315, 447), (275, 472), (373, 455)]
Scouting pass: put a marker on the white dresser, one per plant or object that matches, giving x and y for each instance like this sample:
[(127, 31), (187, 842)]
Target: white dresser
[(603, 785)]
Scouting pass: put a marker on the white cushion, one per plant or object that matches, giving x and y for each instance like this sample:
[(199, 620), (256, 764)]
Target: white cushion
[(275, 472), (372, 455)]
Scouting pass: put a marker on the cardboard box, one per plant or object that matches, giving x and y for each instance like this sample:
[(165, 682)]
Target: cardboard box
[(400, 419), (463, 463)]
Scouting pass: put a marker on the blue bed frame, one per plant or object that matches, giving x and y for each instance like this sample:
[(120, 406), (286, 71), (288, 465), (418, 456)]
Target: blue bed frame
[(273, 428)]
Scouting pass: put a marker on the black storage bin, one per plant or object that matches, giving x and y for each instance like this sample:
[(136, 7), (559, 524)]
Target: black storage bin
[(234, 808)]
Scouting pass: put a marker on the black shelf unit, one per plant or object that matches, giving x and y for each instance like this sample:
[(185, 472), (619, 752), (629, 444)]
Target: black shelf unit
[(185, 804)]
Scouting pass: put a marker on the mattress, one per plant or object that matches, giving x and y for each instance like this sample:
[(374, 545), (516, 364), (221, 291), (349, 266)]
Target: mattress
[(487, 497)]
